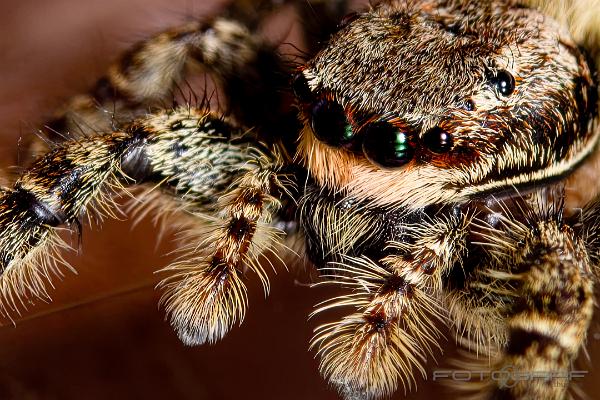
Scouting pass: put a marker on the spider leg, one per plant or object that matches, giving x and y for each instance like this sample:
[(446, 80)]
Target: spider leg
[(477, 314), (541, 267), (206, 295), (395, 302), (250, 72), (197, 157), (367, 352)]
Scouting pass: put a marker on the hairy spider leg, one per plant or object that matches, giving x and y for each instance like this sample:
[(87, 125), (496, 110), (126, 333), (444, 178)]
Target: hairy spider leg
[(221, 175), (252, 74), (542, 266), (396, 304)]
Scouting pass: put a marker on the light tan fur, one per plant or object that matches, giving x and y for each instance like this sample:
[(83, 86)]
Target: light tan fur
[(443, 234)]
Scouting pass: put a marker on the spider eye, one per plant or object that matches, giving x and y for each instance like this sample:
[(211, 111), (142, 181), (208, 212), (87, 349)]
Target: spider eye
[(301, 88), (387, 146), (504, 83), (329, 123), (438, 140)]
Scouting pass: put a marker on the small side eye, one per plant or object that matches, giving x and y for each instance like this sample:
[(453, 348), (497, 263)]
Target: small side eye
[(329, 123), (504, 82), (387, 146), (438, 140)]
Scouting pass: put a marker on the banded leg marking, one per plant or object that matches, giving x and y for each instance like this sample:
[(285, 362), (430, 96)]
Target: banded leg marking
[(396, 302), (206, 296), (194, 154), (543, 271), (366, 353), (149, 73)]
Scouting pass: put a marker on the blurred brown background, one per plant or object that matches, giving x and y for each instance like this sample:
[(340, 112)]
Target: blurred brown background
[(103, 336)]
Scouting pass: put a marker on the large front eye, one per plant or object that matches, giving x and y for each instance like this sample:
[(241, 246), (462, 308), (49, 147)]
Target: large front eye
[(329, 123), (387, 146)]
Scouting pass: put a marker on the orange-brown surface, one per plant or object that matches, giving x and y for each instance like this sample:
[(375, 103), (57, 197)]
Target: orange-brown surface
[(103, 336)]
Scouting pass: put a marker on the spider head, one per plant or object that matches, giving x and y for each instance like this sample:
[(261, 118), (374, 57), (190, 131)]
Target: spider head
[(422, 102)]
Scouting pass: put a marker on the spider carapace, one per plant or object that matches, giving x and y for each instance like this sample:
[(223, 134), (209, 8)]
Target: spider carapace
[(420, 155)]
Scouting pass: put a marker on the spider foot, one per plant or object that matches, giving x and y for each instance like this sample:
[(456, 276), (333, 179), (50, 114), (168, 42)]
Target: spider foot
[(368, 352), (206, 295)]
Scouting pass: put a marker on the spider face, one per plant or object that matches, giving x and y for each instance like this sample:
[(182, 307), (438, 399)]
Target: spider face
[(429, 102), (418, 178)]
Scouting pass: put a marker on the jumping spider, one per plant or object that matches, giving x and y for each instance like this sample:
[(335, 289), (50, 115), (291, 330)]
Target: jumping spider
[(421, 159)]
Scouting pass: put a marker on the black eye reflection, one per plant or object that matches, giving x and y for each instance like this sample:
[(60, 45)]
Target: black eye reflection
[(387, 145), (330, 124), (504, 82)]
